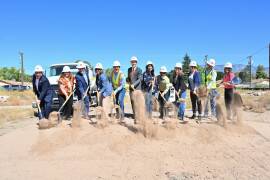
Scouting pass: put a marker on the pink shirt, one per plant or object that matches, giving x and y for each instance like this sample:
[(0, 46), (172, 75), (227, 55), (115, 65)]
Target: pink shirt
[(228, 78)]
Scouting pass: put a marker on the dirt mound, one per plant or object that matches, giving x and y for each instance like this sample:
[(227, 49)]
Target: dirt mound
[(77, 112), (145, 125)]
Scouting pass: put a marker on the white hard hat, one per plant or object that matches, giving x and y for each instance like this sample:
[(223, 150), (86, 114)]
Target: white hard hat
[(116, 63), (228, 65), (133, 58), (211, 62), (178, 65), (38, 68), (66, 69), (80, 65), (98, 66), (193, 64), (149, 63), (163, 69)]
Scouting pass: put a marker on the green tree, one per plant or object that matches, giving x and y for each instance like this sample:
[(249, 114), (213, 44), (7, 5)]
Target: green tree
[(186, 61), (244, 75), (260, 72), (108, 72)]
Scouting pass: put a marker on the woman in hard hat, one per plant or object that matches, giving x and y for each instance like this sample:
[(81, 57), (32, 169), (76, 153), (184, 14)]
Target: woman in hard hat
[(180, 88), (228, 88), (43, 91), (162, 85), (104, 87), (66, 86), (194, 83), (211, 85), (148, 86), (83, 88), (118, 83)]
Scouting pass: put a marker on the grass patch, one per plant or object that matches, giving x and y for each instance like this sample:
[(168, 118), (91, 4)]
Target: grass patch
[(14, 114), (17, 98)]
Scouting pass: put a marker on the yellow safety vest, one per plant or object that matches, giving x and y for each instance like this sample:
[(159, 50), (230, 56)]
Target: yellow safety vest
[(209, 79), (116, 80)]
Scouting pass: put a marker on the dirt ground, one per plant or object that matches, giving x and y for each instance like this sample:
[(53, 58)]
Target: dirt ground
[(191, 151)]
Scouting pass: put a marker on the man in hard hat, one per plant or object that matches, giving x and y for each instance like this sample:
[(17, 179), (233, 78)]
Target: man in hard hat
[(162, 85), (211, 85), (194, 83), (66, 84), (83, 88), (118, 83), (104, 87), (180, 88), (148, 86), (134, 79), (43, 91)]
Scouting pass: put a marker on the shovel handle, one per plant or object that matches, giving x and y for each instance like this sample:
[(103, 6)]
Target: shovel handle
[(39, 109), (66, 101)]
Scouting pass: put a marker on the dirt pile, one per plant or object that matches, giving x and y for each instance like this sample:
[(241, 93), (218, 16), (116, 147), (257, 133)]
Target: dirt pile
[(77, 112), (145, 125)]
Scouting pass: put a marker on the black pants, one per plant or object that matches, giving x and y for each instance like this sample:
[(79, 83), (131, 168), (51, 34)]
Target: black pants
[(228, 95), (132, 102), (163, 109), (67, 110), (196, 103), (45, 108)]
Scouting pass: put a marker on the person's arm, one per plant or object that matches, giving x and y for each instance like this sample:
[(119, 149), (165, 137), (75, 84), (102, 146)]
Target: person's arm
[(139, 78), (44, 86), (103, 83), (80, 86), (62, 88)]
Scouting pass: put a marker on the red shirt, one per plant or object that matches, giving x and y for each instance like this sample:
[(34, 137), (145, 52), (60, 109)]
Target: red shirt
[(228, 78)]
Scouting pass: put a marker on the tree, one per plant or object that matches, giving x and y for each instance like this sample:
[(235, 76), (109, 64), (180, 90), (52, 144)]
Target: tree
[(260, 72), (12, 73), (186, 61), (108, 72), (244, 75)]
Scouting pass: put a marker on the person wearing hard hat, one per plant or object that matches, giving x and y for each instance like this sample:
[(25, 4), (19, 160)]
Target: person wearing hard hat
[(211, 85), (180, 90), (134, 79), (118, 83), (148, 86), (228, 88), (43, 91), (66, 84), (104, 87), (194, 83), (83, 88), (162, 85)]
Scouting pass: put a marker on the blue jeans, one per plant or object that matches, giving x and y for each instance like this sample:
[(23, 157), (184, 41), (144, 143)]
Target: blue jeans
[(212, 97), (182, 105), (86, 105), (120, 97), (149, 102)]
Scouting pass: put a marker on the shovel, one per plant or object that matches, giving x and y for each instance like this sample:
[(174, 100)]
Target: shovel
[(43, 123), (59, 119)]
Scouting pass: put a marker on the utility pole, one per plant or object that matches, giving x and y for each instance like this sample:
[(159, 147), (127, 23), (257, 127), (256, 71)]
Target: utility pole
[(250, 69), (22, 68)]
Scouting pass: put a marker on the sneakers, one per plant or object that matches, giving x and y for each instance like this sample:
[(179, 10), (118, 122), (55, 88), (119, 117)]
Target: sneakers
[(193, 116)]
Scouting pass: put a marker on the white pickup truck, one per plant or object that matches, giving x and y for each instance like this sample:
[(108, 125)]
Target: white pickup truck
[(54, 74)]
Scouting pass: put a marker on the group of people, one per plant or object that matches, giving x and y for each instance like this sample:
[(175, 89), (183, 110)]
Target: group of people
[(152, 85)]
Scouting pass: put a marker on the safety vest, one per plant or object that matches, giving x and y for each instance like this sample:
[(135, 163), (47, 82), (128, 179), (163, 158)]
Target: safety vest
[(209, 79), (116, 80), (163, 83)]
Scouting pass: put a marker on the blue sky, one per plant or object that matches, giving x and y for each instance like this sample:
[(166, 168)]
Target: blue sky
[(162, 31)]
